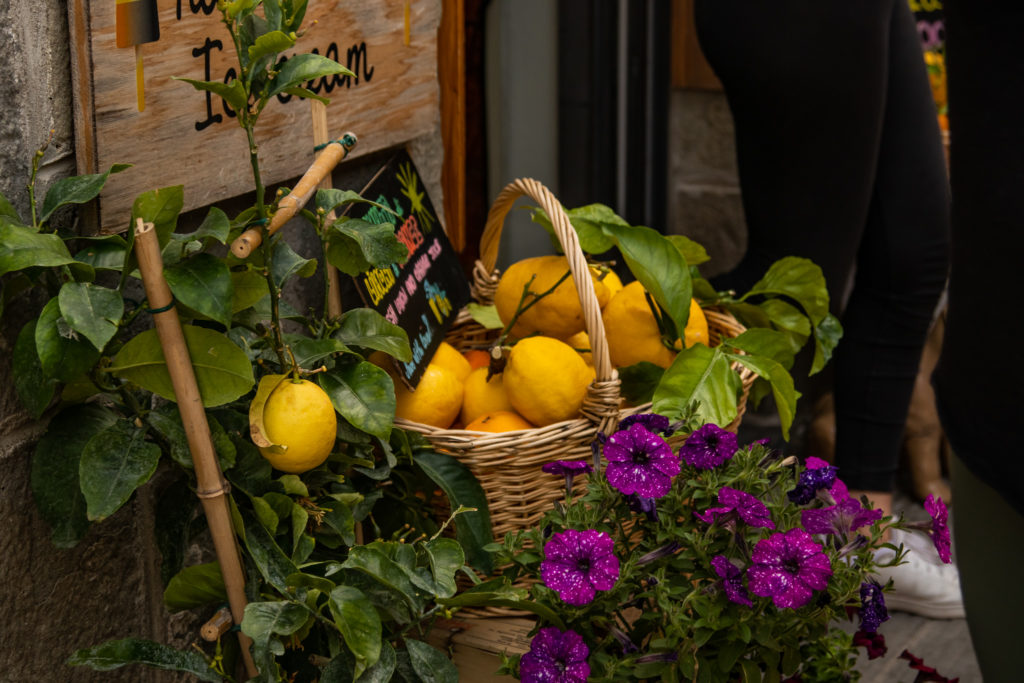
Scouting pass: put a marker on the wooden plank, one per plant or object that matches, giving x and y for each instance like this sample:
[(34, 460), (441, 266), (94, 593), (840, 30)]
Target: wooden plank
[(451, 66), (475, 644), (689, 67), (187, 137)]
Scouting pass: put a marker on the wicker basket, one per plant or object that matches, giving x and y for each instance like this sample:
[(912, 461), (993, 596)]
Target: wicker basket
[(508, 465)]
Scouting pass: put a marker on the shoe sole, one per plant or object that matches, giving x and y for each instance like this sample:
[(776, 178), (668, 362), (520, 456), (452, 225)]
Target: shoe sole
[(894, 602)]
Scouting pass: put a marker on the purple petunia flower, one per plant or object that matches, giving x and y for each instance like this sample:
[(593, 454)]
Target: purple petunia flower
[(788, 567), (577, 564), (647, 506), (818, 475), (640, 462), (939, 531), (925, 672), (842, 518), (872, 607), (555, 656), (732, 580), (708, 447), (569, 469), (742, 504), (659, 424), (873, 643)]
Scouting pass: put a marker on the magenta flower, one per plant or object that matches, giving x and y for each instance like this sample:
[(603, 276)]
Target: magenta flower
[(577, 564), (788, 567), (736, 503), (732, 580), (640, 462), (873, 643), (940, 526), (647, 506), (925, 672), (658, 424), (818, 475), (708, 447), (555, 656), (842, 518), (872, 607), (569, 469)]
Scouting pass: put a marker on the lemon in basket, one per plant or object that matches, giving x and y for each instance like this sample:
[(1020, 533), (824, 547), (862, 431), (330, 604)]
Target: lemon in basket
[(546, 380), (299, 419), (557, 314), (498, 421), (482, 396), (632, 332), (436, 400), (447, 357)]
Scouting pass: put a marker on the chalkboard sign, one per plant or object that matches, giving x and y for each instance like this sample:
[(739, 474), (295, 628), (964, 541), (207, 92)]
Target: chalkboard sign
[(423, 295), (930, 23)]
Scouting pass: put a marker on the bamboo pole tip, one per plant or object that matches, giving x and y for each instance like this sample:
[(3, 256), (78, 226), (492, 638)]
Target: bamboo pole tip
[(245, 243), (142, 226)]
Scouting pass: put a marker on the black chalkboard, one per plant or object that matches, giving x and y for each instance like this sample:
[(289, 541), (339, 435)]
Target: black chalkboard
[(423, 295)]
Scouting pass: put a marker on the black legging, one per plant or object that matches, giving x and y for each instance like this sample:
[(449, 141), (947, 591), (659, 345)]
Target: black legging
[(840, 161)]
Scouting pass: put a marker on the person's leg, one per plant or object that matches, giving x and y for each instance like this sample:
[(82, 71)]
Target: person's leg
[(988, 532)]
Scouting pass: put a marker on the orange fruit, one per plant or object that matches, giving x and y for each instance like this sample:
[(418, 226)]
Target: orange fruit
[(498, 421), (478, 358)]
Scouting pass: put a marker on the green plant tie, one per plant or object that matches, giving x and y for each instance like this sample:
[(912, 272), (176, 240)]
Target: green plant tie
[(347, 141), (162, 309)]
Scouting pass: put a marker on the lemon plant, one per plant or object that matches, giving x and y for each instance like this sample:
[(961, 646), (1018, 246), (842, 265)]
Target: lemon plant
[(331, 504)]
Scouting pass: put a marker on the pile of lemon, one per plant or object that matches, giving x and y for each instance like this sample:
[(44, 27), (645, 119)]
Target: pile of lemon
[(549, 368)]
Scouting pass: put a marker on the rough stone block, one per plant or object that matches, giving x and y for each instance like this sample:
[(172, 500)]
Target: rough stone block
[(712, 216), (702, 148)]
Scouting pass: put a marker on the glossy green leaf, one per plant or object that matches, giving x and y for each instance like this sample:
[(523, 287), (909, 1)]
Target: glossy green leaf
[(76, 190), (499, 592), (360, 626), (799, 279), (247, 288), (330, 199), (694, 253), (32, 385), (339, 517), (22, 247), (827, 334), (486, 316), (699, 374), (55, 467), (363, 394), (272, 562), (106, 253), (161, 208), (215, 226), (430, 664), (263, 620), (117, 653), (659, 266), (446, 557), (372, 562), (91, 310), (305, 67), (306, 94), (269, 44), (472, 529), (203, 283), (762, 341), (62, 353), (287, 263), (223, 371), (233, 92), (308, 352), (639, 381), (367, 328), (356, 245), (7, 210), (587, 221), (196, 586), (114, 463)]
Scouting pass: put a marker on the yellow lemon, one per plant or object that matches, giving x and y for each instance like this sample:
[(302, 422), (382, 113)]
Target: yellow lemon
[(436, 400), (581, 343), (482, 396), (612, 281), (546, 380), (299, 418), (447, 357), (558, 314), (498, 421), (631, 330), (696, 331)]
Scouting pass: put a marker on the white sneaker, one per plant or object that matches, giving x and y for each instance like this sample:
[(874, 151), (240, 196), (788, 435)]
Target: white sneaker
[(921, 586)]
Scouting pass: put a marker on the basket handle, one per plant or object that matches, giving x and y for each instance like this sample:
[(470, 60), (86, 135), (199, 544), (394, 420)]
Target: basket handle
[(566, 234)]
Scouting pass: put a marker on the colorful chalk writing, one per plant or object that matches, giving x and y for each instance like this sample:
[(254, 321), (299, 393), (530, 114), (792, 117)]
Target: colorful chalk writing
[(424, 294)]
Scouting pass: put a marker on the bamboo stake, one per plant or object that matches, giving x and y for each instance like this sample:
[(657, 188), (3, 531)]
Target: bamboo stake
[(210, 483), (320, 137), (294, 201)]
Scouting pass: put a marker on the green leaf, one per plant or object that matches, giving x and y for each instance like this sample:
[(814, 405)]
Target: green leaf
[(114, 463), (62, 354), (104, 253), (699, 374), (786, 318), (91, 310), (215, 226), (116, 653), (692, 252), (305, 67), (446, 558), (472, 529), (262, 620), (486, 316), (659, 266), (799, 279), (329, 199), (272, 562), (306, 94), (751, 671), (639, 381), (587, 221), (339, 518), (367, 328), (55, 466), (762, 341), (371, 561), (203, 283), (827, 334), (166, 420), (341, 668), (24, 247), (196, 586), (356, 245), (233, 93), (7, 209), (223, 371), (430, 664), (270, 44), (247, 288), (308, 352), (287, 263), (363, 394), (33, 387), (161, 208), (359, 623), (781, 382), (76, 190)]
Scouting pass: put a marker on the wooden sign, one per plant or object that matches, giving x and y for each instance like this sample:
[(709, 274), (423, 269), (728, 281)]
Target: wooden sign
[(423, 295), (186, 137)]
